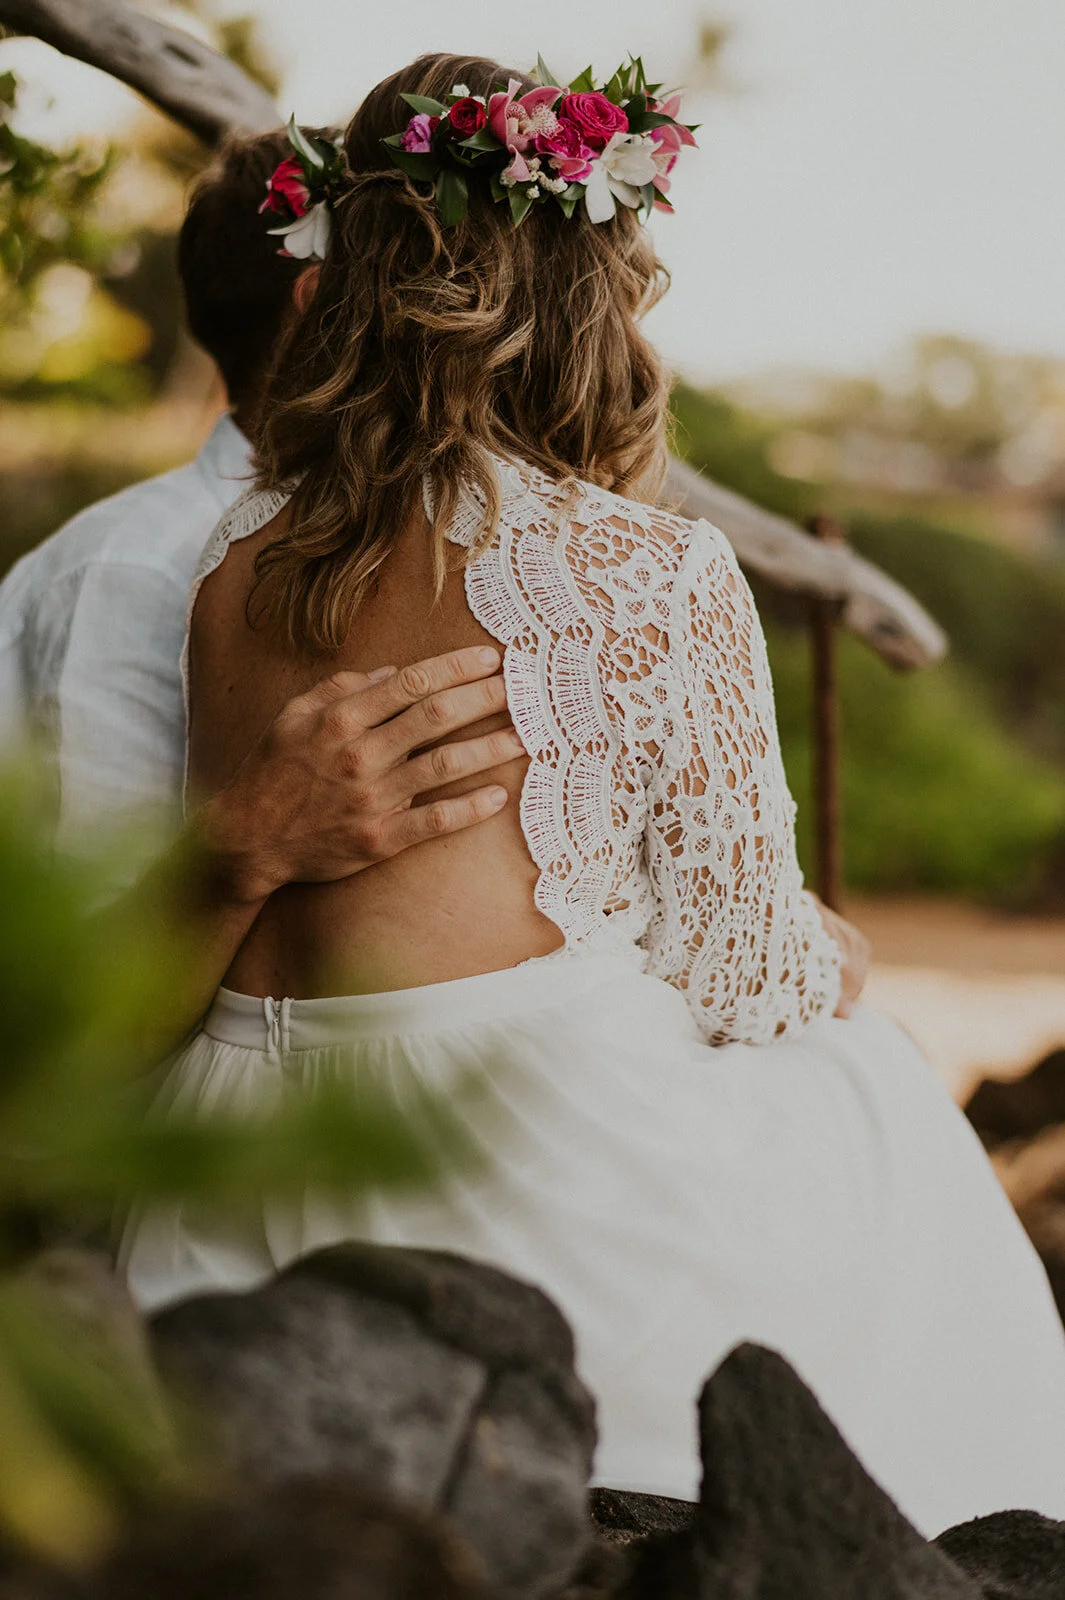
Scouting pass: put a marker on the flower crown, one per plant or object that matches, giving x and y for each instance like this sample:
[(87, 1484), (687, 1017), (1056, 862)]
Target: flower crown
[(302, 188), (580, 145), (576, 146)]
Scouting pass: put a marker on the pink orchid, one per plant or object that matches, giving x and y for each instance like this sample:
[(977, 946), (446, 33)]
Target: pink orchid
[(417, 137), (286, 189), (669, 137), (516, 123), (570, 156)]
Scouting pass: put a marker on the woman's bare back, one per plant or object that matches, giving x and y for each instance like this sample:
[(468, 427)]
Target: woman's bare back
[(449, 908)]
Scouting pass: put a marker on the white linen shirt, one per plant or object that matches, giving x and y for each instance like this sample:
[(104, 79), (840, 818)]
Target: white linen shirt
[(91, 631)]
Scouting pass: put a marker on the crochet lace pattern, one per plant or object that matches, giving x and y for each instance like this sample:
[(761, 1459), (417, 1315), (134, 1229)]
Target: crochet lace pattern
[(655, 806)]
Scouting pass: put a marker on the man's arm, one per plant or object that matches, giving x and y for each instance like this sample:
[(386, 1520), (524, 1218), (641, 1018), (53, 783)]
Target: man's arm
[(327, 792)]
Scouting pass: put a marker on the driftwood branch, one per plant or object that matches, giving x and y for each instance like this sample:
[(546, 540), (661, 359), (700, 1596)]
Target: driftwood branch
[(192, 83), (875, 607)]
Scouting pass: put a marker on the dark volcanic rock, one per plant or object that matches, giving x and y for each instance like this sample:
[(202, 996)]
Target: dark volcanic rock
[(1021, 1107), (787, 1512), (621, 1516), (313, 1541), (1015, 1555), (442, 1382)]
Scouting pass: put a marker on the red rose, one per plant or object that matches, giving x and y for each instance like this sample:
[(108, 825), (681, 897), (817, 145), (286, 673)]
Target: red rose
[(466, 116), (286, 189), (595, 117)]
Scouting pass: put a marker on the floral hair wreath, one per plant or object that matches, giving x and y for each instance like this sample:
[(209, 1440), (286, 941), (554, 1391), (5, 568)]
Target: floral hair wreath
[(576, 146), (580, 145), (302, 189)]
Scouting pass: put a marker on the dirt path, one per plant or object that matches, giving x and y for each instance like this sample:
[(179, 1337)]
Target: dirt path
[(960, 938)]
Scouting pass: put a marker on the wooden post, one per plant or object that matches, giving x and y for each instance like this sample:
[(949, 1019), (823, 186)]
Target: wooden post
[(824, 619)]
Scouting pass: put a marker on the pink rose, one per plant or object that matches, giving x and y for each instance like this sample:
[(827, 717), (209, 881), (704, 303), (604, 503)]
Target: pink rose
[(595, 117), (286, 189), (417, 137), (570, 156)]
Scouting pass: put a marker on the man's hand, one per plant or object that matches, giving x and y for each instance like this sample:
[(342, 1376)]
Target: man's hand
[(327, 790), (856, 952)]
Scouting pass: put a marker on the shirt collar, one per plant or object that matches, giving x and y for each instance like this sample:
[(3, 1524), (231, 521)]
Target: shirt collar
[(225, 461)]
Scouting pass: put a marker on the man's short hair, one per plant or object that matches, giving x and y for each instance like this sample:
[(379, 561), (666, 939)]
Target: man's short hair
[(237, 287)]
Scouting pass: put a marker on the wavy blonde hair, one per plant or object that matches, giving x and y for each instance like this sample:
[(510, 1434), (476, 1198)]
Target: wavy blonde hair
[(425, 350)]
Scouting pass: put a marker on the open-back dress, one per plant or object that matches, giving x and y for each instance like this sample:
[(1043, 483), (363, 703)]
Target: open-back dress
[(686, 1148)]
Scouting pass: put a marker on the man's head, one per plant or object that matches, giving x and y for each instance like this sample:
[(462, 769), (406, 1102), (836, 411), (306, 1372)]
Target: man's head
[(237, 286)]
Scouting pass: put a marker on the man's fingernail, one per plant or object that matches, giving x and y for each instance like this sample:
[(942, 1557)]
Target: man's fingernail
[(488, 658), (380, 673)]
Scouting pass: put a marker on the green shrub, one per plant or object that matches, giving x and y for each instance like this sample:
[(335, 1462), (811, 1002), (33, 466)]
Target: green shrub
[(1003, 610), (936, 796)]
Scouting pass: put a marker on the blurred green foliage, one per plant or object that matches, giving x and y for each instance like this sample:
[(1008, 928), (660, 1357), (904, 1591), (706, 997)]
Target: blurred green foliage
[(1004, 613), (48, 203), (954, 778), (936, 797), (79, 1145), (732, 446)]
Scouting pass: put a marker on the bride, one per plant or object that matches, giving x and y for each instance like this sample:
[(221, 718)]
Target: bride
[(691, 1143)]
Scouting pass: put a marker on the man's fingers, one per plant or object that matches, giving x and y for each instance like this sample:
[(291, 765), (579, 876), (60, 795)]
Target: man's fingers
[(340, 685), (441, 712), (441, 817), (447, 762), (406, 687)]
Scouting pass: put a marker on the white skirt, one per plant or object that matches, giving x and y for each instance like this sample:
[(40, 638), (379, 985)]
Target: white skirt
[(822, 1196)]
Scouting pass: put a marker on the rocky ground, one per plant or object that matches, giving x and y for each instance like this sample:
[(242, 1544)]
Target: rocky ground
[(384, 1424)]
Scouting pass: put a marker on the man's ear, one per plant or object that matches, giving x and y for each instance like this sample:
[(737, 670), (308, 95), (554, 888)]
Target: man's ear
[(305, 285)]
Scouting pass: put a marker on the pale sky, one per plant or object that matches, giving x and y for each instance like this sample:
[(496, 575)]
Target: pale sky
[(876, 169)]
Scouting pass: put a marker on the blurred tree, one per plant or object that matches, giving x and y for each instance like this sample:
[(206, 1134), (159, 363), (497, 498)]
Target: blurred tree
[(89, 299)]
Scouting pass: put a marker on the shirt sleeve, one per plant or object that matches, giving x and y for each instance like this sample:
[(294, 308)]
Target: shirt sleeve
[(733, 928), (108, 647), (14, 712)]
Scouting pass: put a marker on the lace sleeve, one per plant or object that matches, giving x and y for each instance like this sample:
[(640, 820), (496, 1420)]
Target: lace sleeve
[(733, 928)]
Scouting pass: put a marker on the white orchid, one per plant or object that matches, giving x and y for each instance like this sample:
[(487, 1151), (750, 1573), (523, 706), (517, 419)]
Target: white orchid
[(625, 166), (308, 237)]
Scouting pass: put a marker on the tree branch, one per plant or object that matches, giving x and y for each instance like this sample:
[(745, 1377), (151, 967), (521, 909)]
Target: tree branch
[(192, 83), (875, 607)]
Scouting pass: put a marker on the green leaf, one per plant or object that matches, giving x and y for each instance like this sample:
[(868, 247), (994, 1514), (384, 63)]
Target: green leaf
[(583, 84), (499, 189), (545, 75), (648, 193), (452, 196), (521, 204), (312, 160), (568, 202), (419, 164), (8, 89), (481, 141), (644, 121), (419, 103), (615, 90)]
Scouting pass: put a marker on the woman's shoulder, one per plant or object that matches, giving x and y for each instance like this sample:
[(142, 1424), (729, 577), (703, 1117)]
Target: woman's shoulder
[(611, 530)]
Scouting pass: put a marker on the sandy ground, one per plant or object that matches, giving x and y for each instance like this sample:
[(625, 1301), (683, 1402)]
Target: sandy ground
[(983, 993)]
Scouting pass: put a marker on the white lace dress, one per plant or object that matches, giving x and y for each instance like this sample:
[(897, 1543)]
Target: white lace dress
[(687, 1149)]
